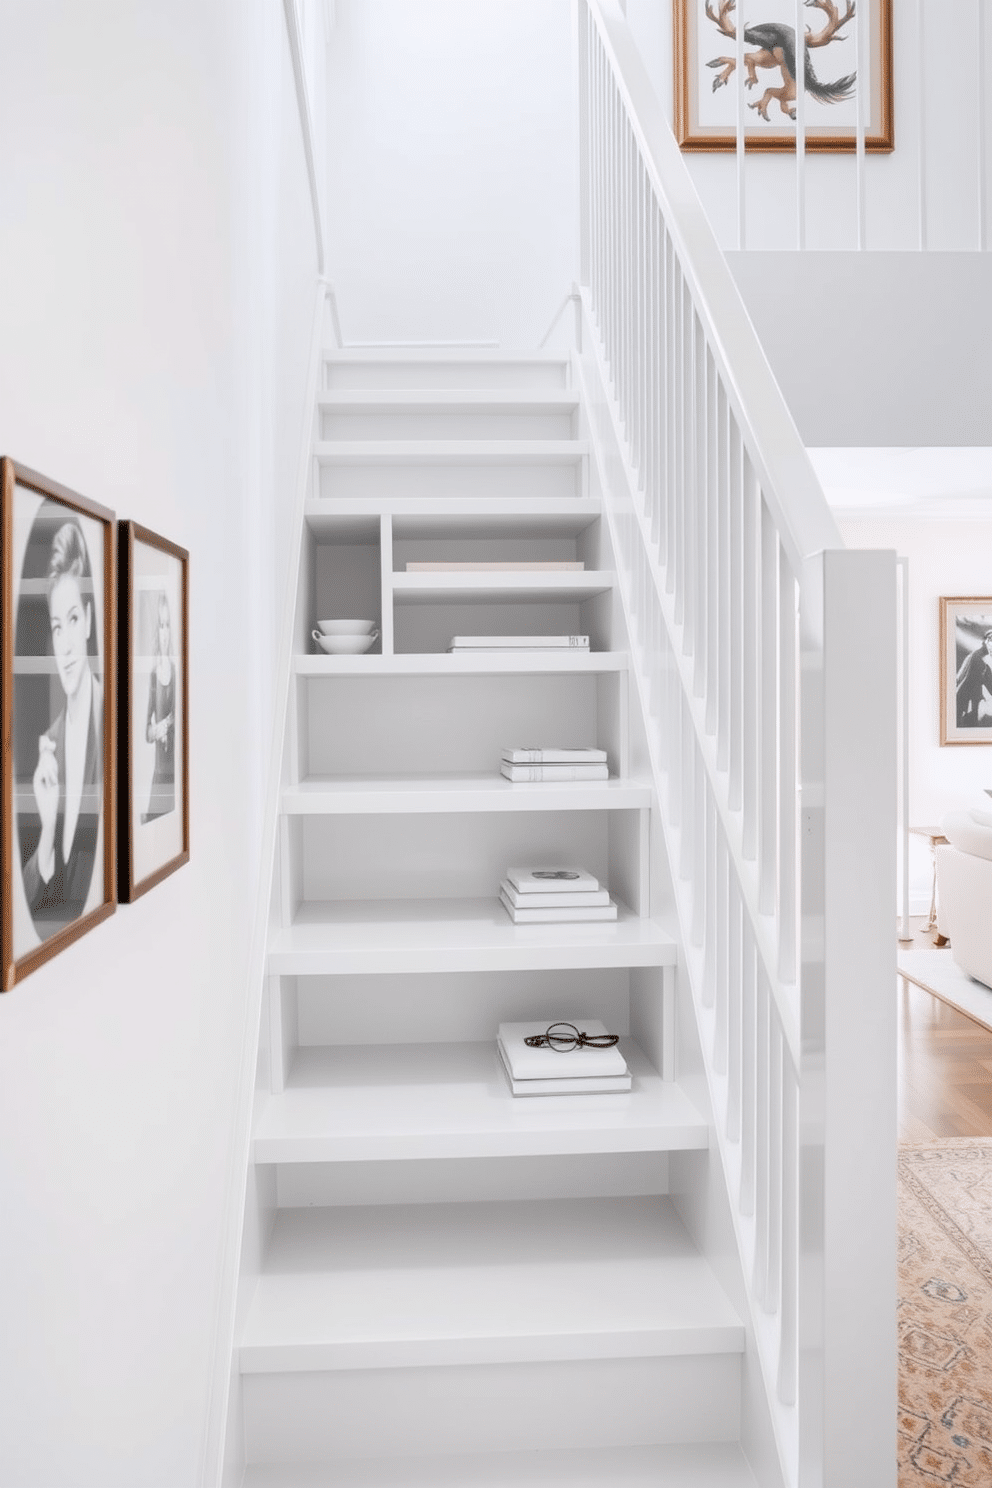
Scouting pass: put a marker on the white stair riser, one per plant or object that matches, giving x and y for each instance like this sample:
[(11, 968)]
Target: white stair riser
[(445, 856), (370, 481), (388, 423), (414, 1412), (449, 725), (466, 1180), (440, 373), (702, 1465), (458, 1007)]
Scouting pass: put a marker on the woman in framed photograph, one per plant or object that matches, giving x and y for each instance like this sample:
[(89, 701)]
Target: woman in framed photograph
[(974, 686), (160, 724), (68, 777)]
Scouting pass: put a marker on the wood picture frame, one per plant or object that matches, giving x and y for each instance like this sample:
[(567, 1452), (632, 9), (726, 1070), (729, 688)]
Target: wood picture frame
[(706, 82), (153, 733), (966, 670), (57, 718)]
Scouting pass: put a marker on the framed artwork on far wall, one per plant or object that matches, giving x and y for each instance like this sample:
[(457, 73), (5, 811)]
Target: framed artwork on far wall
[(708, 85), (966, 670), (57, 712), (153, 687)]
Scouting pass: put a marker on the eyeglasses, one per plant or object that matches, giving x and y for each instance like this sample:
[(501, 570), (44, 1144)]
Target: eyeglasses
[(562, 1037)]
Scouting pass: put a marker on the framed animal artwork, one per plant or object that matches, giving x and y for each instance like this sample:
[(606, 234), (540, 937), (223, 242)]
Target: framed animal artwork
[(153, 688), (57, 712), (966, 670), (848, 66)]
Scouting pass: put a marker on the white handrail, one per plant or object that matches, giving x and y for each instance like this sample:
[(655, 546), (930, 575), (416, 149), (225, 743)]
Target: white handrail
[(294, 35), (780, 459), (745, 613)]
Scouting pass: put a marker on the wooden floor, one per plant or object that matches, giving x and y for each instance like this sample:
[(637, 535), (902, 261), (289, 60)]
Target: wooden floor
[(945, 1066)]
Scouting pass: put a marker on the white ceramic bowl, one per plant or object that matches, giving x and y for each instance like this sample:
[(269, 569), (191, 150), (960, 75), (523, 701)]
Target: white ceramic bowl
[(346, 627), (345, 645)]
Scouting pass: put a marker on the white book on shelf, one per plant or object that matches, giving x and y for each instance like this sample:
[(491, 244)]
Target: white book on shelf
[(533, 754), (495, 567), (564, 913), (551, 878), (519, 643), (579, 899), (577, 1085), (537, 774), (542, 1063)]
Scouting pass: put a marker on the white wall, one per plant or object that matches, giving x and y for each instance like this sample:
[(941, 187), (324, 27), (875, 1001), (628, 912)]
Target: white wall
[(941, 125), (947, 556), (876, 348), (133, 304), (452, 168)]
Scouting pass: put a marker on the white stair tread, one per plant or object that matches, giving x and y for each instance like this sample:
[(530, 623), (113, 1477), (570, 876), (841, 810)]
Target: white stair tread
[(374, 1102), (389, 1286), (434, 400), (408, 935), (550, 587), (450, 451), (704, 1465), (446, 516), (440, 793), (445, 663), (457, 354)]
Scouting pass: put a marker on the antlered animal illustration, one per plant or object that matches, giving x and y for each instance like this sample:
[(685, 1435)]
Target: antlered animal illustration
[(776, 45)]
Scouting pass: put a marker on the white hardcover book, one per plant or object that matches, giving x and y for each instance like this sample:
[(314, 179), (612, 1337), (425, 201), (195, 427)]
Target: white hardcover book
[(521, 643), (580, 899), (579, 1085), (532, 754), (565, 914), (537, 774), (551, 878), (527, 1063), (496, 567)]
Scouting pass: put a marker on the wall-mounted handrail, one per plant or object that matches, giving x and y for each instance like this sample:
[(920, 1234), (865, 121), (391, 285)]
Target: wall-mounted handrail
[(304, 104)]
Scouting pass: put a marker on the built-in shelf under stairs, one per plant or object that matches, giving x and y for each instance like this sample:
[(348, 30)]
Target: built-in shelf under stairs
[(441, 1284)]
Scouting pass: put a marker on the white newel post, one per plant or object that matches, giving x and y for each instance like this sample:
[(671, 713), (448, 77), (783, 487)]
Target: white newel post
[(848, 1122)]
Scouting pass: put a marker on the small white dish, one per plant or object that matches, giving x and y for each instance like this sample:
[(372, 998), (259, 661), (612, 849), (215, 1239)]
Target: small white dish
[(345, 645), (346, 627)]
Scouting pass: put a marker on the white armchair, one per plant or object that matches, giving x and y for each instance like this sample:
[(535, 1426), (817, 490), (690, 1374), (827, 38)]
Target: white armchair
[(964, 891)]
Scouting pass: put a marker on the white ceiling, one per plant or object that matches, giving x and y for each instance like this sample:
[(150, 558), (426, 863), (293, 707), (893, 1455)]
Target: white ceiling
[(926, 481)]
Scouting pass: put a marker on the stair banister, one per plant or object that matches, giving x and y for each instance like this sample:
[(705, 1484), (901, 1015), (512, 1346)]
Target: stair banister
[(764, 656)]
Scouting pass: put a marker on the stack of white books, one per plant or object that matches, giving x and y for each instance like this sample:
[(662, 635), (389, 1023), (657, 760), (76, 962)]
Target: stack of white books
[(519, 643), (533, 765), (577, 1071), (549, 896)]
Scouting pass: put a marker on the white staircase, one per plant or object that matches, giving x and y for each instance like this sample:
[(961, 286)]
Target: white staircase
[(443, 1285)]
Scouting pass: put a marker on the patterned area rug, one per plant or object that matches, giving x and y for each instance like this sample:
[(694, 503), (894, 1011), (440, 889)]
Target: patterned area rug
[(945, 1315)]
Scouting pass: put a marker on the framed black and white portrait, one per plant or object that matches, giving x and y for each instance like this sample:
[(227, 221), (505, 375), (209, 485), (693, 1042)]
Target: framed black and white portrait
[(153, 685), (966, 670), (57, 703)]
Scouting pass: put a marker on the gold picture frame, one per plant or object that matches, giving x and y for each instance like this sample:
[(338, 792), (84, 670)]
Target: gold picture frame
[(706, 79), (966, 670)]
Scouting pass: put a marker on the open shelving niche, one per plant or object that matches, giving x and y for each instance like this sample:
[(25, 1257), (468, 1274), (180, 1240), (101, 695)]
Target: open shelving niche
[(394, 963)]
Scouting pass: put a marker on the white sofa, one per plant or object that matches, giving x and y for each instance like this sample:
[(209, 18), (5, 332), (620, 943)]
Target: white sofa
[(964, 890)]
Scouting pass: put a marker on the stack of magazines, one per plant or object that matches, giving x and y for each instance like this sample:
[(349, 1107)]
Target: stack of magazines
[(548, 896), (519, 643), (532, 765), (557, 1071)]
